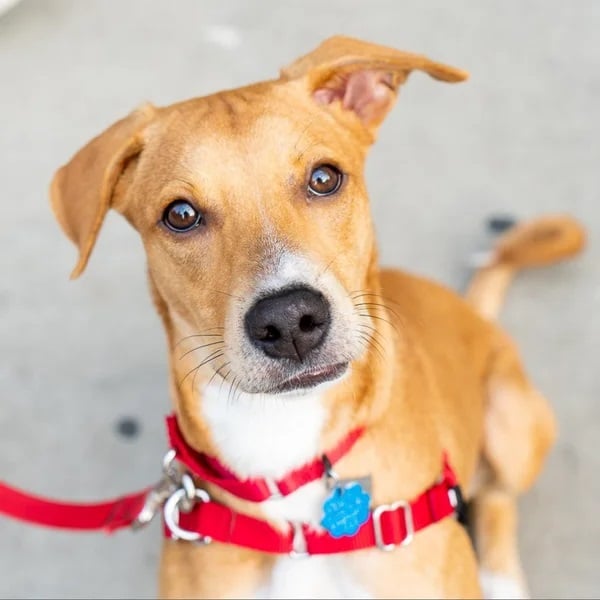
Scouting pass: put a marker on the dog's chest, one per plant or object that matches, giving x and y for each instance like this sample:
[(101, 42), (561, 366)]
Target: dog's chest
[(307, 577), (269, 436), (314, 577)]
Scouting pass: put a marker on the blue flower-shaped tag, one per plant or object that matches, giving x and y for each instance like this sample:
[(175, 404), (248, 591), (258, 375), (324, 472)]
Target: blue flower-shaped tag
[(346, 510)]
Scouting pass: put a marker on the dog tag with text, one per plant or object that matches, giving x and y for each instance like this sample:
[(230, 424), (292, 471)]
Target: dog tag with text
[(346, 508)]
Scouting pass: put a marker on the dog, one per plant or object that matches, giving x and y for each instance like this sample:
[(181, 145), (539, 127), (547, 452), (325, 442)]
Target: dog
[(284, 335)]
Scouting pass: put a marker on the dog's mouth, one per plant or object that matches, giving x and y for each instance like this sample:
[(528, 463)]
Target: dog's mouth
[(311, 378)]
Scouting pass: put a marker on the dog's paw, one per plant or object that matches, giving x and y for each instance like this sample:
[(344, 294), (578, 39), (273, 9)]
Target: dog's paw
[(496, 586)]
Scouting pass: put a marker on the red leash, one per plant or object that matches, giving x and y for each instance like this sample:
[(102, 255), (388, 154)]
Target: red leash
[(107, 516)]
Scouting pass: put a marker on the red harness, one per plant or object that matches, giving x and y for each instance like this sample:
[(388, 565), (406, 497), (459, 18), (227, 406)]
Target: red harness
[(212, 470), (190, 513)]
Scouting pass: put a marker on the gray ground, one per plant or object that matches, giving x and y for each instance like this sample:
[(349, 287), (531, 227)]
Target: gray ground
[(521, 137)]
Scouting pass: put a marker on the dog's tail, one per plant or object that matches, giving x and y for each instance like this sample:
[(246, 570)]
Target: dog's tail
[(534, 243)]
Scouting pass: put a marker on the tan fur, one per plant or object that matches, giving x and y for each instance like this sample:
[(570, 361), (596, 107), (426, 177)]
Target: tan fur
[(443, 377), (535, 243)]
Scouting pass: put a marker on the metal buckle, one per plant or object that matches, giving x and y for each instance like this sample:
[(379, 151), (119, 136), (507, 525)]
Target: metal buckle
[(159, 494), (408, 523), (183, 499), (299, 549)]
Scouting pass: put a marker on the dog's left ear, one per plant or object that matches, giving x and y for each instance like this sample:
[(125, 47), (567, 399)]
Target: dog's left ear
[(363, 77), (82, 190)]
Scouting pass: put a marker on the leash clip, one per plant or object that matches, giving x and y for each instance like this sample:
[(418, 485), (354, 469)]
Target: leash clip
[(160, 493), (183, 499)]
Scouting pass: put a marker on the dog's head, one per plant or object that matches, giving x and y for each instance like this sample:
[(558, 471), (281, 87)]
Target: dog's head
[(253, 212)]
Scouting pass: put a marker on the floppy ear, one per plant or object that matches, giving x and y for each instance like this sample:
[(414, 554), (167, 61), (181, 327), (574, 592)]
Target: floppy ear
[(82, 190), (363, 77)]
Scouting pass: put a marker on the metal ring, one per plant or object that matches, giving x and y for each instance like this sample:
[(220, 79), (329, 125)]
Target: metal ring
[(171, 515), (168, 458), (187, 483)]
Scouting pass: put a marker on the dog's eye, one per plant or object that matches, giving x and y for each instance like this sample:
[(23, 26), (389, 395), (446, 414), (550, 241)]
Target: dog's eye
[(181, 216), (324, 180)]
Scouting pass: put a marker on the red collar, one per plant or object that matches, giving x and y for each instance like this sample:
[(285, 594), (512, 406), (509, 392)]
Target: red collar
[(388, 525), (210, 469)]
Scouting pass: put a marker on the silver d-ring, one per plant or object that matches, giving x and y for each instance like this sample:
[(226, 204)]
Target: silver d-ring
[(171, 514)]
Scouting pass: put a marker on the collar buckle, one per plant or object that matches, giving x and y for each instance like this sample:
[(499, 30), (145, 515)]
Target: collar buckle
[(409, 524)]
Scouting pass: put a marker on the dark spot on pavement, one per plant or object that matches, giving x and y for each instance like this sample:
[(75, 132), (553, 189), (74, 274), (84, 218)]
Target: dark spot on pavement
[(500, 223), (128, 427)]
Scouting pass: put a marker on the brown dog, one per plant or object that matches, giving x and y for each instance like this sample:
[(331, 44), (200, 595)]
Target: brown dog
[(284, 335)]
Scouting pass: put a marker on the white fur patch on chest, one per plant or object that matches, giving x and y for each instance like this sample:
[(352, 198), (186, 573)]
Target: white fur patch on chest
[(269, 436), (262, 435), (314, 577)]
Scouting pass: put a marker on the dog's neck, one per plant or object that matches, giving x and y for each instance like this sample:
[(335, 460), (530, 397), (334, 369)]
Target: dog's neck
[(260, 435)]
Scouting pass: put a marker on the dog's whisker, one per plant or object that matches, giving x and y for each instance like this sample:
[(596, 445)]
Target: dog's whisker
[(201, 347), (193, 384), (370, 344), (374, 331), (212, 378), (380, 318), (368, 296), (187, 337), (375, 342), (229, 395), (223, 380), (195, 371), (390, 323), (363, 294), (216, 354), (354, 296), (218, 372), (207, 360), (200, 365), (377, 305), (238, 391), (223, 366)]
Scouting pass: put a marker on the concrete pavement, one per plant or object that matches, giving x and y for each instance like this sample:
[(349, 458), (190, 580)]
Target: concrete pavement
[(521, 138)]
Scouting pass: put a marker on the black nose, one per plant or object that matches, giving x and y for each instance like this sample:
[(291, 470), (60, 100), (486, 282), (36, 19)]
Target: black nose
[(289, 324)]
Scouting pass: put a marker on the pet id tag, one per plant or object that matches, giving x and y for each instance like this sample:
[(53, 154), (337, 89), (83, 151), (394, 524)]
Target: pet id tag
[(347, 507)]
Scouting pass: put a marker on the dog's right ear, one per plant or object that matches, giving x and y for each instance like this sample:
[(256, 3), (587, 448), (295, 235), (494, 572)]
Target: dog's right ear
[(361, 77), (82, 190)]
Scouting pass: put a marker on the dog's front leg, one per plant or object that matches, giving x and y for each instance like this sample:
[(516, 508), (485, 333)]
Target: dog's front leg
[(188, 570)]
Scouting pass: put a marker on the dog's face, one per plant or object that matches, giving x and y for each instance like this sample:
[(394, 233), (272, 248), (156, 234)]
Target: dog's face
[(254, 216), (252, 208)]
